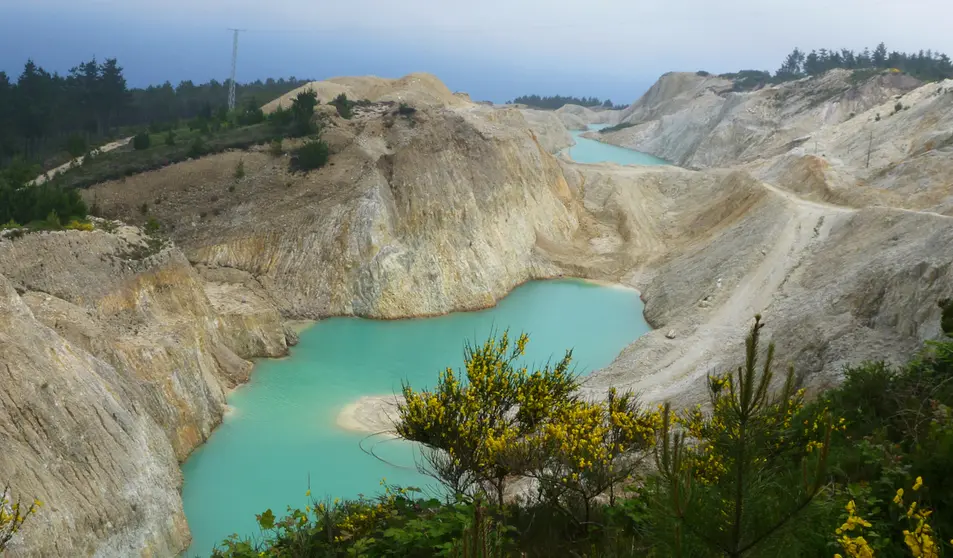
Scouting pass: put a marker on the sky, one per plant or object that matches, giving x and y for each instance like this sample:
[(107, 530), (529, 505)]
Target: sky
[(493, 49)]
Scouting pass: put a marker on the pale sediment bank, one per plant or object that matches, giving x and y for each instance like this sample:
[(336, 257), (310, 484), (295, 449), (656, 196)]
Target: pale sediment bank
[(299, 326), (371, 414)]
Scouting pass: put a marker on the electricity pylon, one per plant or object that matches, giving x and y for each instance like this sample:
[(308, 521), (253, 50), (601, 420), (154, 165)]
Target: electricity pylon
[(231, 83)]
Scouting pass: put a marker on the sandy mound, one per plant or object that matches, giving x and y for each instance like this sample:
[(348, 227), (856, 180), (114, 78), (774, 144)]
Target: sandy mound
[(418, 90)]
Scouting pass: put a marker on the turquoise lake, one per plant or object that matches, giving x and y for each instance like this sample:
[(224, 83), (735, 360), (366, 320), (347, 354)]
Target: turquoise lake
[(592, 151), (280, 435)]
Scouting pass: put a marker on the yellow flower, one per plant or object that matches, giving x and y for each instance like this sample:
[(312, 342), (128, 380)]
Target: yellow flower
[(918, 483), (308, 493), (898, 499)]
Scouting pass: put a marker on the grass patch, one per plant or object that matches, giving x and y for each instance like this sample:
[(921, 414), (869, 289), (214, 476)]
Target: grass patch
[(117, 164)]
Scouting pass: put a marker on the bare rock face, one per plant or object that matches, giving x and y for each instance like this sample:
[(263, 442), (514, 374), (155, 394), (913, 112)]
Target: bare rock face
[(76, 436), (116, 365), (576, 117), (549, 129), (700, 122), (416, 215)]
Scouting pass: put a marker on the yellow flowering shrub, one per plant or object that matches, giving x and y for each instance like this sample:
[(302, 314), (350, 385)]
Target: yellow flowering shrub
[(919, 537), (587, 448), (13, 514), (498, 421), (471, 423), (76, 225), (850, 535)]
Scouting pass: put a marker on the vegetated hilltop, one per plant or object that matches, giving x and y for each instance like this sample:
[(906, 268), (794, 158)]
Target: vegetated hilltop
[(555, 102), (49, 118), (416, 201)]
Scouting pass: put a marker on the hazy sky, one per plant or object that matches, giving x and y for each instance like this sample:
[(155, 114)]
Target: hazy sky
[(493, 49)]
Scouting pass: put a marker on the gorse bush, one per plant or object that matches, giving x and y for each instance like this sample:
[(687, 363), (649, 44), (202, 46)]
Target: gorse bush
[(862, 471), (470, 429), (13, 514)]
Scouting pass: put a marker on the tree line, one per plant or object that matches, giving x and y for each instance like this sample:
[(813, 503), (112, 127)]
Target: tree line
[(556, 101), (925, 65), (43, 113)]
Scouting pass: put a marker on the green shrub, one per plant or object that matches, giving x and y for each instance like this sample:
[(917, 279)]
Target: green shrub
[(144, 208), (310, 156), (141, 141), (197, 148), (51, 223), (343, 105), (946, 316), (302, 113), (396, 523), (152, 226), (281, 118), (170, 138), (405, 110), (616, 128), (240, 169)]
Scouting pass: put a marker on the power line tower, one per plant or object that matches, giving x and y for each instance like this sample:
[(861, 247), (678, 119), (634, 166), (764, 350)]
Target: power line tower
[(231, 82)]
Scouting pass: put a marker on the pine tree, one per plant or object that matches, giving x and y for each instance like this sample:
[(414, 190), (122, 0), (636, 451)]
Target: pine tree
[(713, 489), (879, 58)]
